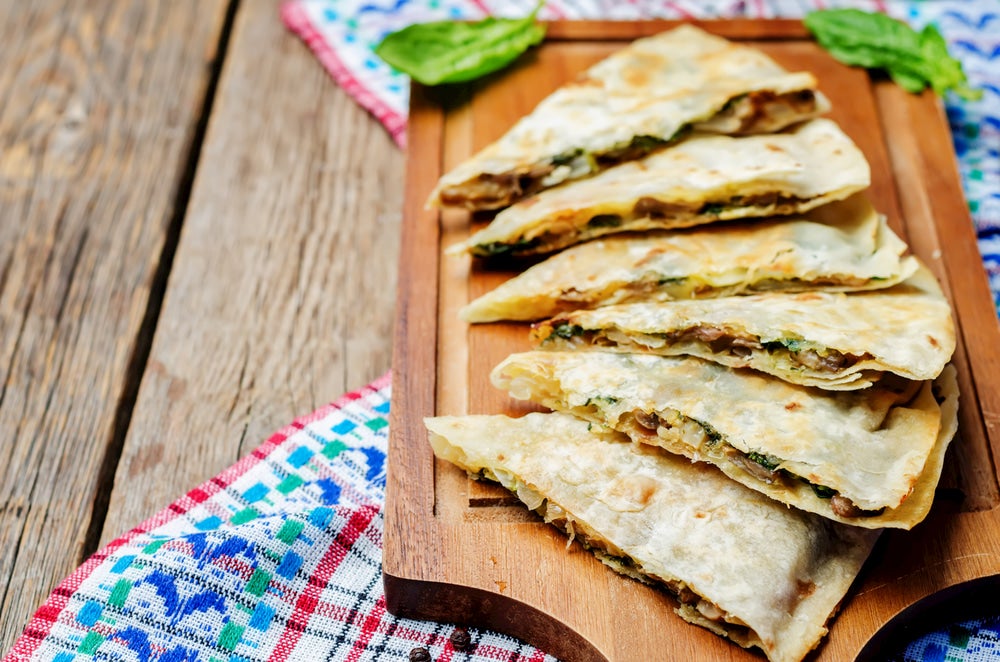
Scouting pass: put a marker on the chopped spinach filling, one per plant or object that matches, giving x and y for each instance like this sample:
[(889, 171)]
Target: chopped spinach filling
[(566, 330), (646, 143), (822, 491), (636, 148), (769, 462), (567, 157), (714, 436), (497, 248), (601, 399), (791, 344)]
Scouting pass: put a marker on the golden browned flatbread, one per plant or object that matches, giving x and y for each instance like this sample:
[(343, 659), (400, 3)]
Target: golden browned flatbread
[(843, 246), (832, 340), (704, 179), (641, 98), (870, 458), (743, 565)]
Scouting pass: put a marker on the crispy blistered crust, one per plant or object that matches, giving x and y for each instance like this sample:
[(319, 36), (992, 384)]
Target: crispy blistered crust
[(652, 90), (842, 246), (831, 340), (879, 448), (746, 566), (704, 179)]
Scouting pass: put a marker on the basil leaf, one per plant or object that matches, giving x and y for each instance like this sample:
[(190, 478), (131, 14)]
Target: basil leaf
[(453, 52), (873, 40), (910, 82), (948, 73)]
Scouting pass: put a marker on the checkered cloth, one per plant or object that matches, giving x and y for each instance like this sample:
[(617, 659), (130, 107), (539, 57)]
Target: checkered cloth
[(279, 556)]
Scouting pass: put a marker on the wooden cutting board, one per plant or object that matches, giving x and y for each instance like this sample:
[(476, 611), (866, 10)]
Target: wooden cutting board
[(465, 552)]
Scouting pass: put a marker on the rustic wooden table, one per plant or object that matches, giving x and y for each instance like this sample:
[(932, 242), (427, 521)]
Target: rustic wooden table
[(198, 242)]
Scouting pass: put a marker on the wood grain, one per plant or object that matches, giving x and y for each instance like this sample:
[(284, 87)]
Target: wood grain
[(604, 31), (939, 219), (280, 298), (460, 552), (94, 158)]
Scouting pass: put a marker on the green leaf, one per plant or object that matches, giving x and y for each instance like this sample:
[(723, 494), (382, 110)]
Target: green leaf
[(454, 52), (876, 41), (946, 71), (910, 82)]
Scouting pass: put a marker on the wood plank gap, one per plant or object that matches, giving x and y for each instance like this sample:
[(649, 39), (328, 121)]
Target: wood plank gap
[(139, 357)]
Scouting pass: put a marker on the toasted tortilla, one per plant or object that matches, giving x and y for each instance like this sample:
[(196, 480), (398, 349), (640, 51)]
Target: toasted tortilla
[(704, 179), (831, 340), (641, 98), (869, 458), (843, 246), (660, 518)]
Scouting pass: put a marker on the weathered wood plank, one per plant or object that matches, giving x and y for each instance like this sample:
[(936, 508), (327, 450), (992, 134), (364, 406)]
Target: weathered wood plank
[(93, 158), (281, 293)]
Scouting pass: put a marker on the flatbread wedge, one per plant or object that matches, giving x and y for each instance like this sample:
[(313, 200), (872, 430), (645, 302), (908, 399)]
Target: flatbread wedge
[(643, 97), (869, 458), (661, 519), (842, 246), (831, 340), (704, 179)]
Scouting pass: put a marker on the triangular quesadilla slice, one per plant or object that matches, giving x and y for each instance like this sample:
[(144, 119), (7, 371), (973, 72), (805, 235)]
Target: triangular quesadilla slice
[(832, 340), (870, 458), (843, 246), (664, 520), (704, 179), (643, 97)]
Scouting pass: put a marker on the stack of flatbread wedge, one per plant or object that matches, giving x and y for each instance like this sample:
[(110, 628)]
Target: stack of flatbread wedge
[(738, 352)]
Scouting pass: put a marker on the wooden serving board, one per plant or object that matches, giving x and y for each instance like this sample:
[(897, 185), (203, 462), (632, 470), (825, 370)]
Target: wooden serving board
[(465, 552)]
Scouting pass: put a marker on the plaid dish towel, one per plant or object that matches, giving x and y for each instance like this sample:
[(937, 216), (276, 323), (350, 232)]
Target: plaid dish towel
[(279, 556)]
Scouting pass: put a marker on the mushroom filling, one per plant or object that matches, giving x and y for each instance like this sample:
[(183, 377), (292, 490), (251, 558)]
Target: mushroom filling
[(586, 225), (494, 190), (761, 111), (762, 467), (795, 353), (491, 190)]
